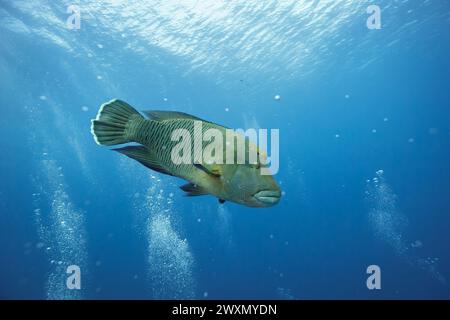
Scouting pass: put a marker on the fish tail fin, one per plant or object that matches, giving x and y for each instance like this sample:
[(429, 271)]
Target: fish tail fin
[(111, 126)]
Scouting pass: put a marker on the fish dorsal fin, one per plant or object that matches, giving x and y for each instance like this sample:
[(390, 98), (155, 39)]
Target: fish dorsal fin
[(193, 189), (158, 115), (143, 156)]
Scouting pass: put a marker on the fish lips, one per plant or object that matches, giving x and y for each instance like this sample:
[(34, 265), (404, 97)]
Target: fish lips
[(268, 197)]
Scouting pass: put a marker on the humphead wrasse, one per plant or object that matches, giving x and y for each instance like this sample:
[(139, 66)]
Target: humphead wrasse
[(118, 123)]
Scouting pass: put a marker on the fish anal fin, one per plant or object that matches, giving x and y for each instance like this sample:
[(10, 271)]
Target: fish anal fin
[(143, 156), (192, 189)]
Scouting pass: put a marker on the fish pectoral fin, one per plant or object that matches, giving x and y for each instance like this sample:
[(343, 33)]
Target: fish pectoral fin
[(143, 155), (214, 170), (193, 189), (221, 201)]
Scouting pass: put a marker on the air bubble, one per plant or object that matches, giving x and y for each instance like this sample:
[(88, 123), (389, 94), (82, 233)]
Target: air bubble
[(416, 244), (433, 131)]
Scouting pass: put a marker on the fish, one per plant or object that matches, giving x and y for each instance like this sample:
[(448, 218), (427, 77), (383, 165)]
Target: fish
[(152, 141)]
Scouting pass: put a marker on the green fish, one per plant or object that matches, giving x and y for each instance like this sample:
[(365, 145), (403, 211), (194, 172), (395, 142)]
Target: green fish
[(117, 123)]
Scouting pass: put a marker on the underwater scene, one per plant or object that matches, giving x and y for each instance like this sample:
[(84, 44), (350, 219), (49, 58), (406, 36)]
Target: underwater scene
[(213, 149)]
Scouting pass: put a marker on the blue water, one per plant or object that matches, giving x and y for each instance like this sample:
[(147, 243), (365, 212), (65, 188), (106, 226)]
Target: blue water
[(364, 149)]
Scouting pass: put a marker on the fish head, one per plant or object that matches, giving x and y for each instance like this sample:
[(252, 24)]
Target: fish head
[(249, 187)]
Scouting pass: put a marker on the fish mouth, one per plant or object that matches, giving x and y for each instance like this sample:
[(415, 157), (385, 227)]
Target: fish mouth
[(268, 197)]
